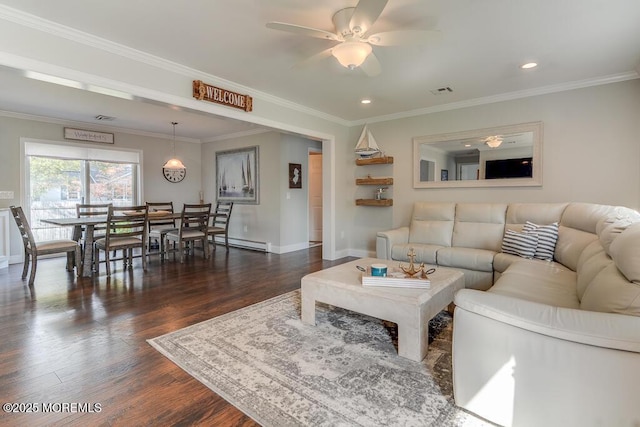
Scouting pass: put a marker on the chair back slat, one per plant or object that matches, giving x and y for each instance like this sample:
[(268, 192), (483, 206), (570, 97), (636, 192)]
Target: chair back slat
[(93, 210), (222, 215), (127, 221), (88, 210), (160, 222), (195, 217), (20, 218)]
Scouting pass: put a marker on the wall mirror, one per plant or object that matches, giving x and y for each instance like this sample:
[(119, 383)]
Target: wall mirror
[(503, 156)]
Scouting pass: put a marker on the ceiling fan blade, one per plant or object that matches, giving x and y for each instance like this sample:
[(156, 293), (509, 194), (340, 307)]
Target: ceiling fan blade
[(371, 66), (365, 14), (305, 31), (404, 37), (314, 58)]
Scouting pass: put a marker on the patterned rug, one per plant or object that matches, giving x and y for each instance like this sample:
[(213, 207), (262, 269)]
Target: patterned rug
[(343, 372)]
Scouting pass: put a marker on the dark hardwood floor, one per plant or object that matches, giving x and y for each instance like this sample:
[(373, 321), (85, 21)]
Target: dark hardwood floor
[(84, 341)]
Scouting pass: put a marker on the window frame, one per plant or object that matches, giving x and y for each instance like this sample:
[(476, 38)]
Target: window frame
[(92, 152)]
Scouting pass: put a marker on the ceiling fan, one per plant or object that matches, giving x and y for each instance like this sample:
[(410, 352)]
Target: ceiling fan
[(354, 48)]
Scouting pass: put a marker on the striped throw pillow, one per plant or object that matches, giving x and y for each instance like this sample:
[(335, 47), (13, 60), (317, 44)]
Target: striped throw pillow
[(521, 244), (547, 238)]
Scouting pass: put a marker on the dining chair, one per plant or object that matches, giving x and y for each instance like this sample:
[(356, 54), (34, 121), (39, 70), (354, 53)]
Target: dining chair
[(87, 211), (126, 230), (33, 249), (90, 210), (220, 223), (159, 227), (194, 221)]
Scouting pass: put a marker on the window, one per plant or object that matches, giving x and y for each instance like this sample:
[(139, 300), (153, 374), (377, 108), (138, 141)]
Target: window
[(58, 177)]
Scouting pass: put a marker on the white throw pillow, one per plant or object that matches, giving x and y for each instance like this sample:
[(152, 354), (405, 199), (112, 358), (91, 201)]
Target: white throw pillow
[(547, 238), (521, 244)]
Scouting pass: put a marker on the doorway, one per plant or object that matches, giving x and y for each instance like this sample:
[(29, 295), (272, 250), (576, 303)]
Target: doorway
[(315, 198)]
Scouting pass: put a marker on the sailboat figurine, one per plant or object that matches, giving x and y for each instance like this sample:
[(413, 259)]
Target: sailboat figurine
[(367, 146)]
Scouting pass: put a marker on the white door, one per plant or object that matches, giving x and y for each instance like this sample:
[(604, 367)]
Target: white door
[(315, 196)]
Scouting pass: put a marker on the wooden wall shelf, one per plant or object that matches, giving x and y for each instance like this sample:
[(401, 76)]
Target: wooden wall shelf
[(374, 181), (375, 161), (374, 202)]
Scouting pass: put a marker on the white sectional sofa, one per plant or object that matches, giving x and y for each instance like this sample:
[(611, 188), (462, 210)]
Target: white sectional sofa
[(538, 342)]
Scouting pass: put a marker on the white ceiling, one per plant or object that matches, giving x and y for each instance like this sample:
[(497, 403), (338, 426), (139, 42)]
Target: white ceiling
[(483, 42)]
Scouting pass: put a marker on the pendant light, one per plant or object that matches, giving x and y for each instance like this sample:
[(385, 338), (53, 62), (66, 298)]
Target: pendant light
[(174, 163)]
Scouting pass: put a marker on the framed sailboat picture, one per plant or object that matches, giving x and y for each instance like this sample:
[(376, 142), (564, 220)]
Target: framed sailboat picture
[(237, 175)]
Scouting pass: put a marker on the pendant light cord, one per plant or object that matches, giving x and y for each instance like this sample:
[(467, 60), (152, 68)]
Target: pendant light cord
[(174, 138)]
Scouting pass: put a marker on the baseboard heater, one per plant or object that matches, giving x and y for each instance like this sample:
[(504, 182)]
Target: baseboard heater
[(244, 244)]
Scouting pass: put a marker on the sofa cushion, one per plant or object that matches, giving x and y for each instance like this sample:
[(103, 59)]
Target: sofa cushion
[(479, 225), (611, 292), (520, 244), (432, 223), (502, 261), (547, 238), (540, 213), (473, 259), (424, 253), (592, 261), (539, 281), (585, 216), (625, 251), (571, 242), (609, 228)]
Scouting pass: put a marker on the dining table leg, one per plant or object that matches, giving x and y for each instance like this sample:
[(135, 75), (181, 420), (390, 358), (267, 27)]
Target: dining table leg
[(87, 257), (77, 235)]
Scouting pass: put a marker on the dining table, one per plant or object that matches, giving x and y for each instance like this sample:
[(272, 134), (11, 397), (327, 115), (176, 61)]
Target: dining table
[(89, 223)]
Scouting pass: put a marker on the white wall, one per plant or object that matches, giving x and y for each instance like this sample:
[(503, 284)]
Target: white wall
[(591, 153), (261, 220), (280, 219), (294, 202)]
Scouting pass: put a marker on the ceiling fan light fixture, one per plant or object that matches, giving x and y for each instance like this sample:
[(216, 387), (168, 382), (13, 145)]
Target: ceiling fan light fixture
[(351, 54), (493, 141)]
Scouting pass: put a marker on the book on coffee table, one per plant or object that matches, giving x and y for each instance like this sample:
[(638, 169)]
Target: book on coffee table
[(395, 278)]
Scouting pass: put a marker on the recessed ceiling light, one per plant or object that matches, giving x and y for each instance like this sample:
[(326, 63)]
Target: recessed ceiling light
[(365, 101), (529, 65)]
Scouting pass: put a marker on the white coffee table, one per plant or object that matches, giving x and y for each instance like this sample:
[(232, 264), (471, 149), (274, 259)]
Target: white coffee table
[(410, 308)]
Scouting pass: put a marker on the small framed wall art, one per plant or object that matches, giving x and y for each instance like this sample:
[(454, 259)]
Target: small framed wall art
[(295, 175)]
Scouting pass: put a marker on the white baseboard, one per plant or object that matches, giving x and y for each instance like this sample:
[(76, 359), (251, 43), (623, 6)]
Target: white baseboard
[(361, 253), (244, 244)]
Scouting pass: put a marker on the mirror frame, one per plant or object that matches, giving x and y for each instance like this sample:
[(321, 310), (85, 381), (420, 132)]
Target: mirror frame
[(535, 180)]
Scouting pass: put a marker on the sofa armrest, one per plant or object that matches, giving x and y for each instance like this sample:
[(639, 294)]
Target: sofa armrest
[(386, 239), (608, 330)]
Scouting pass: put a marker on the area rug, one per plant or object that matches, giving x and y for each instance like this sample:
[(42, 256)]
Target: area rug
[(343, 372)]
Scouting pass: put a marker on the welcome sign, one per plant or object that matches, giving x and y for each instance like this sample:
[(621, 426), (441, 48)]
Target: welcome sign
[(205, 92)]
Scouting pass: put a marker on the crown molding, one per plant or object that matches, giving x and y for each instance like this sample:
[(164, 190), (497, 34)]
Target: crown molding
[(509, 96), (59, 30)]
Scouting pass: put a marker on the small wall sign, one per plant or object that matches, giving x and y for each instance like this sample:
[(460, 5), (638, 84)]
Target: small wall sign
[(88, 135), (203, 91)]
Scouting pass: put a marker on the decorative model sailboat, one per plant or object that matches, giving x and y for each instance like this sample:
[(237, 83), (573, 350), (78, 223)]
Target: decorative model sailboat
[(367, 146)]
